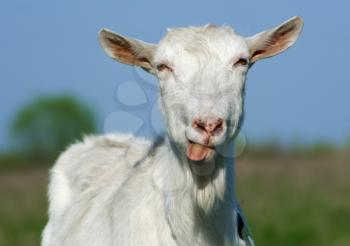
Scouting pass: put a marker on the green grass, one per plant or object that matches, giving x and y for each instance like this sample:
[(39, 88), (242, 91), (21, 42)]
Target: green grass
[(296, 201), (301, 200), (22, 207)]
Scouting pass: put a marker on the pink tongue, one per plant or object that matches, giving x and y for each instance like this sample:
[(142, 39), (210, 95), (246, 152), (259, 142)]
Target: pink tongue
[(198, 152)]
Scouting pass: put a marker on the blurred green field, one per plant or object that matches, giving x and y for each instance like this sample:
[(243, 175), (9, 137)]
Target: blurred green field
[(301, 200), (23, 206), (297, 200)]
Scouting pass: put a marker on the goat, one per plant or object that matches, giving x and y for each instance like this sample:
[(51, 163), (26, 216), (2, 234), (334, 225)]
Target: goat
[(122, 190)]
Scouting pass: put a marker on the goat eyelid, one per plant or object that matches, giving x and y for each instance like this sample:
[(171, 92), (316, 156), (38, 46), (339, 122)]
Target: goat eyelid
[(163, 67), (242, 62)]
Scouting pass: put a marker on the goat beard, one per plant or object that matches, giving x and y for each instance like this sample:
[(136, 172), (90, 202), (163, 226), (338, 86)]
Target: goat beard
[(209, 188)]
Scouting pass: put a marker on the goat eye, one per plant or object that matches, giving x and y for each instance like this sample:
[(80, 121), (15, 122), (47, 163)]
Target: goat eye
[(242, 62), (163, 67)]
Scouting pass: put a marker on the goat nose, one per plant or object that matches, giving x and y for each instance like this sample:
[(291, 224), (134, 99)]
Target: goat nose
[(212, 127)]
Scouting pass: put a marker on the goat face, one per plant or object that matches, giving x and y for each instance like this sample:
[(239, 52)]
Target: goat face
[(202, 72)]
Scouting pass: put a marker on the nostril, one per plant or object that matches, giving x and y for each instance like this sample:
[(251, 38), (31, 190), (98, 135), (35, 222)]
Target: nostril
[(199, 125), (218, 128)]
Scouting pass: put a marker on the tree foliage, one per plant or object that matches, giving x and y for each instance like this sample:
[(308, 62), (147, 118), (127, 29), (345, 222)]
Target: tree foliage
[(48, 124)]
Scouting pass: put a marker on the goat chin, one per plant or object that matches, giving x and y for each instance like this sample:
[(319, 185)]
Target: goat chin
[(203, 168)]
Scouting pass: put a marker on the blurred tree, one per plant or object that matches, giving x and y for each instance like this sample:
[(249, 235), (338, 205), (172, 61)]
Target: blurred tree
[(46, 126)]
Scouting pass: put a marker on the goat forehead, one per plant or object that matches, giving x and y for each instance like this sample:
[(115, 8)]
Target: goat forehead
[(206, 42)]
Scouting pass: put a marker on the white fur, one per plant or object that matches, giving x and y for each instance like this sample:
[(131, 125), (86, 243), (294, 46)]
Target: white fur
[(106, 197), (125, 191)]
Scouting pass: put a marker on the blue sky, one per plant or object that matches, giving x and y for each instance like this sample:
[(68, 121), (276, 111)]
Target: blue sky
[(51, 47)]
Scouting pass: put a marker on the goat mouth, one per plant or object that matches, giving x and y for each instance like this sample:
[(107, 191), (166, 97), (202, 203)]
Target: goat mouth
[(199, 152)]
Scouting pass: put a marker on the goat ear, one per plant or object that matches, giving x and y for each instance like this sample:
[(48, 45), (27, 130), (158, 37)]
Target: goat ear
[(127, 50), (274, 41)]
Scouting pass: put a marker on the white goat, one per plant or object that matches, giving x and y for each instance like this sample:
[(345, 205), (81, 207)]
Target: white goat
[(123, 191)]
